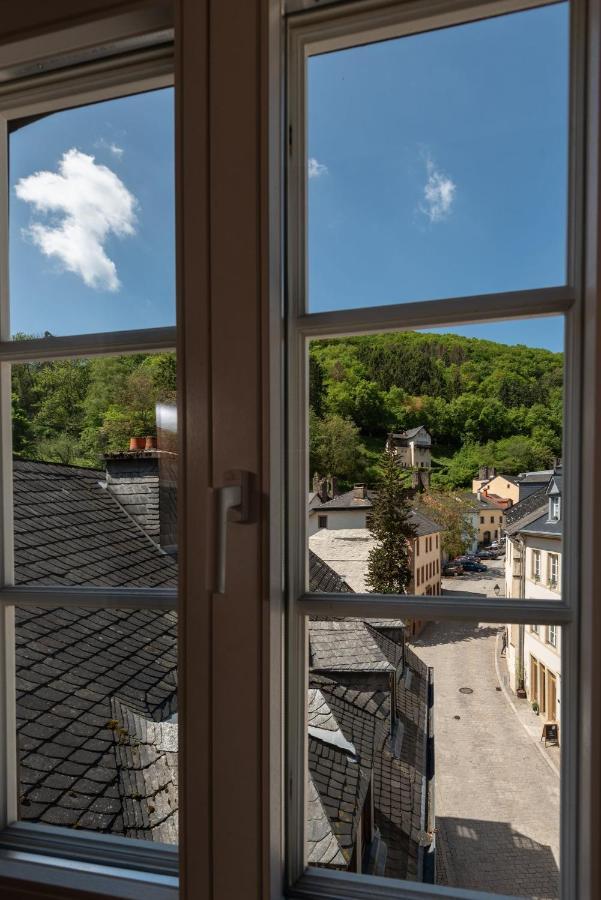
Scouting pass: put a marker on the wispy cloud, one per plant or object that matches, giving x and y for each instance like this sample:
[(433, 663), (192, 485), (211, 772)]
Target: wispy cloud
[(439, 193), (87, 202), (316, 169), (115, 149)]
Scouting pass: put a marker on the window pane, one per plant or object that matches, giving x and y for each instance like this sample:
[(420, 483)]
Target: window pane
[(95, 471), (92, 218), (425, 757), (97, 720), (435, 461), (437, 163)]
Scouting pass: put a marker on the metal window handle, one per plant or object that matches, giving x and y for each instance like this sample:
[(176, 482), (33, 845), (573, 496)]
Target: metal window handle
[(233, 504)]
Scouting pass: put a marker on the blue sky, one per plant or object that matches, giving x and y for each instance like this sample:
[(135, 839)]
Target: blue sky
[(438, 167), (92, 218)]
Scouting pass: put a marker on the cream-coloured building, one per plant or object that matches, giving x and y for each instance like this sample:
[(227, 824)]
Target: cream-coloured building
[(504, 487), (533, 570), (412, 448), (346, 551), (489, 518)]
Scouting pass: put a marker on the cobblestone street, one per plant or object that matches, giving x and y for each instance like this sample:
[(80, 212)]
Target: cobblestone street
[(496, 796)]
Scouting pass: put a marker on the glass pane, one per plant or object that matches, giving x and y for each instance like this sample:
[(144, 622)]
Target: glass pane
[(435, 760), (435, 461), (437, 163), (97, 720), (95, 471), (92, 218)]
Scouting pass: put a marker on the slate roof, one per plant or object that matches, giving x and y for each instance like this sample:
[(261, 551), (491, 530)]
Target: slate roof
[(526, 507), (96, 689), (540, 477), (323, 579), (351, 645), (423, 524), (408, 434), (349, 501), (395, 759), (69, 530)]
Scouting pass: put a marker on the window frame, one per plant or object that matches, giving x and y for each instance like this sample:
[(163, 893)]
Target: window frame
[(340, 25), (36, 851)]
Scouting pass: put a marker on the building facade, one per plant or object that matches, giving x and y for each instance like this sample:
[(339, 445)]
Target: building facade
[(412, 448), (533, 570)]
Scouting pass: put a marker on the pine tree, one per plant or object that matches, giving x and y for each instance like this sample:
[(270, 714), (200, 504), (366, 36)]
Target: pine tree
[(389, 562)]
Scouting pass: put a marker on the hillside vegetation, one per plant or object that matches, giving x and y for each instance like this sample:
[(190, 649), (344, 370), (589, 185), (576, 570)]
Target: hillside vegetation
[(483, 402), (74, 411)]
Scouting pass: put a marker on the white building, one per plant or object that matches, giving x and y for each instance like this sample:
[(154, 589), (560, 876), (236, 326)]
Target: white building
[(533, 570), (412, 448)]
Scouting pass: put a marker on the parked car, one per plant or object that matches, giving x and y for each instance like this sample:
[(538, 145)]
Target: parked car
[(472, 566), (487, 554), (452, 568)]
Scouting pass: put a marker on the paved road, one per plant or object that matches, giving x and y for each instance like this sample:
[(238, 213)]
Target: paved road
[(496, 798), (478, 582)]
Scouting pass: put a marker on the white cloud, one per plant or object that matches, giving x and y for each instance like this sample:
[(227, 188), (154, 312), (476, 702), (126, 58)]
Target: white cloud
[(316, 169), (113, 148), (89, 202), (439, 194)]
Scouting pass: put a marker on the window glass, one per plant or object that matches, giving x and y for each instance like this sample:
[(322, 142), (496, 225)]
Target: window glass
[(437, 163), (97, 720), (95, 471), (92, 218), (452, 434), (413, 744)]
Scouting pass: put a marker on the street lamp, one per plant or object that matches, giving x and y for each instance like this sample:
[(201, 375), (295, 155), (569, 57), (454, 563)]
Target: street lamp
[(497, 590)]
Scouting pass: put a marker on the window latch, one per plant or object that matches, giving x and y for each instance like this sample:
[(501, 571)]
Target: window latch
[(233, 504)]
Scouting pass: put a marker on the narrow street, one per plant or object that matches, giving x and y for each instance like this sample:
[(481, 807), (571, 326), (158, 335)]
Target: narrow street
[(496, 797)]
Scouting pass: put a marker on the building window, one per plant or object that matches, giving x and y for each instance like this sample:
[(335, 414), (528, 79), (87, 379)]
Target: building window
[(322, 521), (552, 635), (321, 318), (553, 570), (555, 509), (534, 629), (536, 565)]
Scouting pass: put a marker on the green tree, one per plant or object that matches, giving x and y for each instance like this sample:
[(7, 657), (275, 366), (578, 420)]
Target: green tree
[(335, 447), (454, 514), (389, 562)]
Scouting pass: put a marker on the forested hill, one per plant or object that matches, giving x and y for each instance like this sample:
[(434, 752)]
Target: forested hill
[(73, 411), (483, 402)]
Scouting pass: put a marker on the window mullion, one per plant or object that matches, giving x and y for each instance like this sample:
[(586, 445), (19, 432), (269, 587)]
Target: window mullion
[(422, 606)]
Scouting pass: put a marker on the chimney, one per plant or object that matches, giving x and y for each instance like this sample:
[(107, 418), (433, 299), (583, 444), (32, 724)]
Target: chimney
[(143, 479), (132, 477), (360, 492)]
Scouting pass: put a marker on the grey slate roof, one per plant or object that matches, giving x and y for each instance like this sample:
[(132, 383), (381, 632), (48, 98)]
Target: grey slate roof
[(92, 684), (323, 579), (338, 645), (69, 530), (408, 434), (349, 501), (423, 524), (526, 507)]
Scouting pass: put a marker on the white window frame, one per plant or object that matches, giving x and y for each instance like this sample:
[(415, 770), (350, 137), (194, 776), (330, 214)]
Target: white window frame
[(337, 26), (536, 564), (552, 635), (108, 864), (554, 564)]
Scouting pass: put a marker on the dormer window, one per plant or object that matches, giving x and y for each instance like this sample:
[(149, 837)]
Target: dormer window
[(554, 509)]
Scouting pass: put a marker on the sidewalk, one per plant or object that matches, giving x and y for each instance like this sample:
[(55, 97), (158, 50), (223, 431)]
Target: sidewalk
[(531, 723)]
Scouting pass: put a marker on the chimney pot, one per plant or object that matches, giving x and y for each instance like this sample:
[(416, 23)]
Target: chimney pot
[(137, 443), (150, 443)]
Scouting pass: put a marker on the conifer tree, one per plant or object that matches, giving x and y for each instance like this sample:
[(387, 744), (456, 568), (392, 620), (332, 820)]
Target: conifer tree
[(389, 562)]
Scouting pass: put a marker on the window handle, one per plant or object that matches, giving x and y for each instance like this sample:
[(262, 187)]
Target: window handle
[(233, 504)]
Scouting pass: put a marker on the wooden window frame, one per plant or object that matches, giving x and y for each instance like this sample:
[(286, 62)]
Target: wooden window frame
[(33, 852), (336, 26)]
